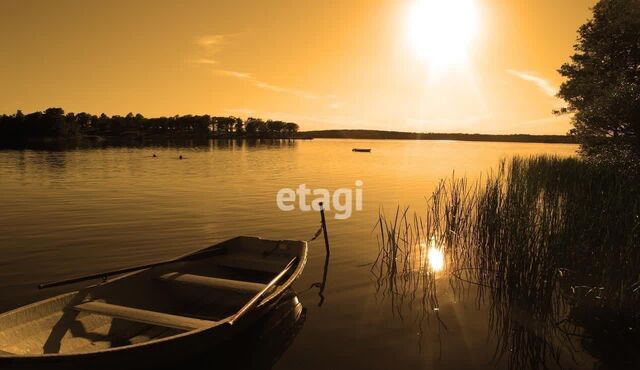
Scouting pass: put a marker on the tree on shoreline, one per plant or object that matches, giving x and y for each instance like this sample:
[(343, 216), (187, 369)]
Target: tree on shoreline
[(602, 87), (54, 123)]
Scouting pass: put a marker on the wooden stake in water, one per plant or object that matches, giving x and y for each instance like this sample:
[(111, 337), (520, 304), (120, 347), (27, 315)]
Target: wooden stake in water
[(324, 230), (326, 257)]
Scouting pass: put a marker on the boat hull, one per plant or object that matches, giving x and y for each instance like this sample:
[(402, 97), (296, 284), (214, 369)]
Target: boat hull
[(158, 354), (166, 351)]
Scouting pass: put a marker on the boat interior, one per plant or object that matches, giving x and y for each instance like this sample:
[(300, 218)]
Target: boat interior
[(155, 303)]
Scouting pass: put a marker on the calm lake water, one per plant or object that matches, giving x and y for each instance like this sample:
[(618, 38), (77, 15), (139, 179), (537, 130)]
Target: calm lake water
[(74, 212)]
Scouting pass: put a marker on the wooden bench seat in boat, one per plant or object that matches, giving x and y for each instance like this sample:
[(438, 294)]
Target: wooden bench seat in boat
[(271, 264), (211, 282), (144, 316)]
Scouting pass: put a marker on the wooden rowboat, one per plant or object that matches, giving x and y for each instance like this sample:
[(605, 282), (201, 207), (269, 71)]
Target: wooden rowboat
[(154, 316), (362, 150)]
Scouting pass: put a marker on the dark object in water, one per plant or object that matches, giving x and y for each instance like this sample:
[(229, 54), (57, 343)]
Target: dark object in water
[(154, 155), (154, 316), (363, 150), (180, 157)]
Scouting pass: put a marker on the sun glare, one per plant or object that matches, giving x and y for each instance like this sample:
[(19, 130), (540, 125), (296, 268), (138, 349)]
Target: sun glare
[(442, 31), (428, 257), (435, 257)]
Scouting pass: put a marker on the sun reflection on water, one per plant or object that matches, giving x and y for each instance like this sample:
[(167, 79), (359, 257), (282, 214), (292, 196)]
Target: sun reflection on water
[(435, 258), (428, 256)]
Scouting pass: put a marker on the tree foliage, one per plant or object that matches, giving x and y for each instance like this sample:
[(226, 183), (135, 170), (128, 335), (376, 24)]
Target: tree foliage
[(602, 87), (54, 123)]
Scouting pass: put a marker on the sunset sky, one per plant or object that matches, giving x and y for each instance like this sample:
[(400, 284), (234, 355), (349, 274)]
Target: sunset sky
[(485, 66)]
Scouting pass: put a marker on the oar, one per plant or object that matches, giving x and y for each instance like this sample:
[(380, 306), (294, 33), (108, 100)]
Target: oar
[(258, 296), (103, 275)]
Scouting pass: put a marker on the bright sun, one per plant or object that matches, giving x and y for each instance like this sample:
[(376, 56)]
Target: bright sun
[(441, 31)]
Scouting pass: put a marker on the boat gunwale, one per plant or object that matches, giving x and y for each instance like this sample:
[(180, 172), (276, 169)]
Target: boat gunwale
[(301, 260)]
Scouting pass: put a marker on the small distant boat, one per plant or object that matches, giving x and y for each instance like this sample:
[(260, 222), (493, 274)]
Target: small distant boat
[(363, 150), (157, 315)]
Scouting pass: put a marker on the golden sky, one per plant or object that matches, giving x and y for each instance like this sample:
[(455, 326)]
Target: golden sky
[(484, 66)]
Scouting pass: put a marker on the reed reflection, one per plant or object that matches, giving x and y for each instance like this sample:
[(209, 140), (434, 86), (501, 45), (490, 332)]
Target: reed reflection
[(406, 270), (536, 255)]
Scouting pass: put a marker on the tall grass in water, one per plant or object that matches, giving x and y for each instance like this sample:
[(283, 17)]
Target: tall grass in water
[(554, 239)]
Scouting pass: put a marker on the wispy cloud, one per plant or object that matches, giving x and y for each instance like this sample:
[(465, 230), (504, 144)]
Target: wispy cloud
[(213, 41), (212, 45), (287, 90), (271, 87), (204, 61), (240, 75), (543, 84)]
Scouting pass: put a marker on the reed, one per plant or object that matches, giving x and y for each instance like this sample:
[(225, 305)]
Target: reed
[(555, 238)]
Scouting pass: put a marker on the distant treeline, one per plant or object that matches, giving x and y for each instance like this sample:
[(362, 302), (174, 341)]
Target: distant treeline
[(397, 135), (54, 123)]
